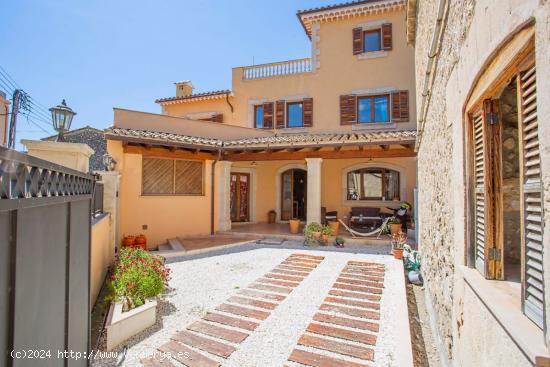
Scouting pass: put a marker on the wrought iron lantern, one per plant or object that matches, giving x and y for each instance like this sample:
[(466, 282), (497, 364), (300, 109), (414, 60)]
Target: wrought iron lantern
[(62, 116), (108, 162)]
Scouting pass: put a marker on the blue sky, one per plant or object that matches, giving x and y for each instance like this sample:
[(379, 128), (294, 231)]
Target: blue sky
[(118, 53)]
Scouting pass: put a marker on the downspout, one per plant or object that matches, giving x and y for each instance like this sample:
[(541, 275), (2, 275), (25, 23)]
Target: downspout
[(229, 103), (212, 192), (429, 78)]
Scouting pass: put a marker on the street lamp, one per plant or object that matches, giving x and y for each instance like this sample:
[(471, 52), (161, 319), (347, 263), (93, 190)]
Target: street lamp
[(108, 162), (62, 116)]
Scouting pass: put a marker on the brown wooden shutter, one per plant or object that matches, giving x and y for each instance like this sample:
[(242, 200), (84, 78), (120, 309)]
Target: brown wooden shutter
[(157, 176), (308, 112), (387, 39), (531, 198), (280, 114), (348, 109), (268, 115), (482, 190), (400, 106), (357, 36)]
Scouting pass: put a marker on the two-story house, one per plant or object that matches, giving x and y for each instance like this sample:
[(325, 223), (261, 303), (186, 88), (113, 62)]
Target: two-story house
[(332, 132)]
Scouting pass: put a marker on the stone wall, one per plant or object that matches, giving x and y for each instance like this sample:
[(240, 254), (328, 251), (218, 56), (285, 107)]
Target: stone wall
[(435, 168)]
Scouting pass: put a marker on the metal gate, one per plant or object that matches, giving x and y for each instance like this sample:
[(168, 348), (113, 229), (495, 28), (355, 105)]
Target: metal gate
[(44, 262)]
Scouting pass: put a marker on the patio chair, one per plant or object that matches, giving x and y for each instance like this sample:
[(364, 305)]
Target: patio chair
[(328, 216), (365, 218)]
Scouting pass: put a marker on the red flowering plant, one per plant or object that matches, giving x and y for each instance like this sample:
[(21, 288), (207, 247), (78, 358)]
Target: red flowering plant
[(136, 276)]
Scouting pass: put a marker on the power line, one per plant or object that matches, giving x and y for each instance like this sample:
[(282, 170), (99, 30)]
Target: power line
[(8, 76)]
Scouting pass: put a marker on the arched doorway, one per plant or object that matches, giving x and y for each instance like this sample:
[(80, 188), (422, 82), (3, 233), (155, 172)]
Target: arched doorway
[(293, 194)]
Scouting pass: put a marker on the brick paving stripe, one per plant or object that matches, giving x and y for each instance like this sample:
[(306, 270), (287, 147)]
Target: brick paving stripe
[(290, 272), (305, 260), (270, 288), (366, 263), (282, 283), (316, 257), (252, 302), (318, 360), (369, 305), (355, 336), (344, 321), (218, 332), (299, 263), (357, 288), (243, 311), (208, 345), (370, 297), (256, 294), (370, 271), (187, 356), (362, 277), (337, 347), (156, 361), (292, 267), (355, 312), (231, 321), (360, 282), (284, 277)]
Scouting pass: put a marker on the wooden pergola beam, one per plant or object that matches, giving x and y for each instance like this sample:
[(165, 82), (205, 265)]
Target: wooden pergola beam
[(330, 154), (385, 147), (168, 152)]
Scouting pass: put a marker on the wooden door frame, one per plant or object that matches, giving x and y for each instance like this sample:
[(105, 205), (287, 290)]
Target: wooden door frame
[(292, 170), (238, 196)]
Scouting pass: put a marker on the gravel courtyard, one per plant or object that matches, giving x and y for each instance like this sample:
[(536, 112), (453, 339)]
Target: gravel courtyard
[(378, 334)]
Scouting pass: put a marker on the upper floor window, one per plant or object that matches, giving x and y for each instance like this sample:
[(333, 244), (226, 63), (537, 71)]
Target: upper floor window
[(371, 40), (295, 114), (373, 109), (259, 117), (373, 184)]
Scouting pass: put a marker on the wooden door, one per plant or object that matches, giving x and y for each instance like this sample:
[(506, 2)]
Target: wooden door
[(240, 197), (287, 195)]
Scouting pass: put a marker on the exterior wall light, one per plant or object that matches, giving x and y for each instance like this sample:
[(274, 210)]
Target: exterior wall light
[(109, 162)]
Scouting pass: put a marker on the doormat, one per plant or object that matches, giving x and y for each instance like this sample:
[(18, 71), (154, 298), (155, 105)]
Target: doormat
[(271, 241)]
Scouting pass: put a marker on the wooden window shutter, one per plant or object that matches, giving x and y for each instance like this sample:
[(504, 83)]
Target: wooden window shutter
[(387, 39), (268, 115), (157, 176), (357, 36), (400, 106), (531, 198), (280, 114), (308, 112), (348, 109), (482, 190), (188, 177)]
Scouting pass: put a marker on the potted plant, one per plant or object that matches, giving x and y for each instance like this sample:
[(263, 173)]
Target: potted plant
[(313, 231), (294, 225), (335, 225), (395, 226), (326, 232), (271, 216), (136, 279), (339, 241), (398, 241)]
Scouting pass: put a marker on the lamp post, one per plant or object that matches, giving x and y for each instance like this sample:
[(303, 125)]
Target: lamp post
[(62, 116)]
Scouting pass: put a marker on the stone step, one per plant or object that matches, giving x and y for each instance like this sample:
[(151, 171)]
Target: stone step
[(165, 247), (175, 244)]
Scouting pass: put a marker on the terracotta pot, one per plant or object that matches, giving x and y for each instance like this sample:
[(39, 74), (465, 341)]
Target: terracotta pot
[(141, 241), (395, 228), (294, 226), (316, 235), (128, 241), (335, 226), (271, 216), (324, 238), (398, 253)]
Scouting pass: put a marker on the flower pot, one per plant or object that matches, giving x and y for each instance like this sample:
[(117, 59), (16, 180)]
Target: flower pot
[(316, 235), (129, 241), (415, 277), (141, 241), (271, 216), (395, 228), (335, 226), (324, 238), (398, 253), (123, 325), (294, 226)]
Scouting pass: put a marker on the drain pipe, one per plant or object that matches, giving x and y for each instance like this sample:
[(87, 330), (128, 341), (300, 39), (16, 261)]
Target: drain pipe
[(433, 57)]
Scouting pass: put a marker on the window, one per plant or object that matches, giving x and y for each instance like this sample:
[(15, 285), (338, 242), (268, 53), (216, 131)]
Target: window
[(259, 117), (295, 114), (163, 176), (373, 184), (371, 40), (373, 109)]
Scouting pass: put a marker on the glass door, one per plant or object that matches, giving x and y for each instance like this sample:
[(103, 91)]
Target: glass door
[(239, 197)]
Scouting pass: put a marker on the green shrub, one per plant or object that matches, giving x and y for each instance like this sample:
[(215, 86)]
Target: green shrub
[(137, 275), (312, 227)]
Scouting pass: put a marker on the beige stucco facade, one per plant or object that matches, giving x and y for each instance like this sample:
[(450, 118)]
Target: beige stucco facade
[(478, 322)]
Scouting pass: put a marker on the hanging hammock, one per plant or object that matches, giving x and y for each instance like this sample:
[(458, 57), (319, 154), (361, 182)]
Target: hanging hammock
[(378, 231)]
